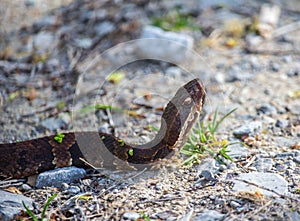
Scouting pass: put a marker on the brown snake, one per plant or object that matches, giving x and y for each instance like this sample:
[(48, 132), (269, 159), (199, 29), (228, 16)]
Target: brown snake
[(30, 157)]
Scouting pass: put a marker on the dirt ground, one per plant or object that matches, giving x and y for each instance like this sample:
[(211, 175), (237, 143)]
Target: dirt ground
[(46, 48)]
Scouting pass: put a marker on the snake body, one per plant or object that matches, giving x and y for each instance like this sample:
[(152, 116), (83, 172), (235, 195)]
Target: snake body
[(30, 157)]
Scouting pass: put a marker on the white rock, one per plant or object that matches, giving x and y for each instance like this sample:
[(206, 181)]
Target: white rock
[(162, 45), (269, 181)]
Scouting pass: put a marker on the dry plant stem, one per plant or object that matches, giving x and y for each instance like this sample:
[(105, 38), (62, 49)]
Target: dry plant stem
[(258, 210)]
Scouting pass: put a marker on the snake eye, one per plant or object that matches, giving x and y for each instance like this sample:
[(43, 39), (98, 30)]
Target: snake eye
[(187, 101)]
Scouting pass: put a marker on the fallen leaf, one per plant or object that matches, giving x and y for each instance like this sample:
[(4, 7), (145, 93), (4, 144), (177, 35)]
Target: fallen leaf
[(13, 189), (116, 77)]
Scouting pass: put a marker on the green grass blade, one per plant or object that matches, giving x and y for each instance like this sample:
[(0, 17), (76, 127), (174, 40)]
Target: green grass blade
[(223, 118), (29, 212), (47, 204)]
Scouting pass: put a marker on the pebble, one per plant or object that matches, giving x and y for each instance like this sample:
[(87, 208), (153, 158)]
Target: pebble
[(42, 42), (280, 167), (208, 175), (208, 164), (45, 22), (267, 109), (65, 186), (104, 28), (275, 67), (250, 128), (162, 45), (284, 141), (281, 123), (65, 117), (52, 123), (55, 178), (297, 159), (26, 187), (222, 167), (73, 190), (290, 164), (295, 109), (159, 186), (237, 150), (173, 72), (263, 164), (131, 215), (293, 73), (270, 181), (238, 75), (11, 205), (84, 43), (209, 215), (285, 155), (234, 204)]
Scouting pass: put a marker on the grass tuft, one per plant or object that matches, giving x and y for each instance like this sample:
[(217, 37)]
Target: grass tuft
[(203, 141), (43, 216)]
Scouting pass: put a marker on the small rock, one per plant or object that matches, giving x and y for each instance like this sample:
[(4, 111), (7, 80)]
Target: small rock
[(282, 123), (284, 141), (208, 164), (11, 205), (236, 74), (254, 40), (159, 186), (263, 164), (297, 159), (73, 190), (248, 129), (294, 109), (293, 73), (237, 151), (174, 72), (275, 67), (287, 59), (52, 123), (222, 167), (234, 204), (45, 22), (65, 117), (167, 215), (65, 186), (219, 77), (285, 155), (290, 164), (161, 45), (104, 28), (208, 175), (26, 187), (56, 177), (131, 215), (280, 167), (43, 42), (84, 43), (267, 109), (209, 215), (29, 3), (270, 181)]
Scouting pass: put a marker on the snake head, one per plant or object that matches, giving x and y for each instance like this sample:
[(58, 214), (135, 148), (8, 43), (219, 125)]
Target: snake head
[(195, 91)]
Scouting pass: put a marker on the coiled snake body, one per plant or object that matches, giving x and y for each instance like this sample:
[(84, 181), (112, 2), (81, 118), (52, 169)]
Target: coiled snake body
[(30, 157)]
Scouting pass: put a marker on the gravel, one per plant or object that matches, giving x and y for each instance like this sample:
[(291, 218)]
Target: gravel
[(40, 65)]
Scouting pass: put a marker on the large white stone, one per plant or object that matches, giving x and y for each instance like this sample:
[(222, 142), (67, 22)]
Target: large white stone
[(162, 45), (268, 181)]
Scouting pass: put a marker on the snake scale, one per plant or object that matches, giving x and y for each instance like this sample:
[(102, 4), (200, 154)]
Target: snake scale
[(30, 157)]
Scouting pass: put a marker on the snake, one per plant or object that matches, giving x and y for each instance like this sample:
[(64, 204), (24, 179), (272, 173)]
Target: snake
[(30, 157)]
